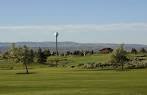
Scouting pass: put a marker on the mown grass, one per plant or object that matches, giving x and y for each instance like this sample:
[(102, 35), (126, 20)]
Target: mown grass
[(92, 58), (75, 60), (57, 81), (45, 80)]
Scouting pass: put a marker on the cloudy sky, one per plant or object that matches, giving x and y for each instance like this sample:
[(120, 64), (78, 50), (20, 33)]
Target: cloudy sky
[(86, 21)]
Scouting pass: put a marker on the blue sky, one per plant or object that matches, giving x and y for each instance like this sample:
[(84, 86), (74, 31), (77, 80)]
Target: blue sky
[(86, 21)]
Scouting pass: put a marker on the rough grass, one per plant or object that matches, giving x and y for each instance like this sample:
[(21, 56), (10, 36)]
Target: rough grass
[(57, 81)]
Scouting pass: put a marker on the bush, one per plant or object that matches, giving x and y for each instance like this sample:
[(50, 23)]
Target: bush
[(119, 56)]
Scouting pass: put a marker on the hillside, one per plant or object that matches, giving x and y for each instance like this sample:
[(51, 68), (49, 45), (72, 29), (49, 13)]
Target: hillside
[(65, 46)]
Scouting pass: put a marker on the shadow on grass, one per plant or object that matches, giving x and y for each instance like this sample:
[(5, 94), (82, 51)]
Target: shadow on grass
[(26, 73)]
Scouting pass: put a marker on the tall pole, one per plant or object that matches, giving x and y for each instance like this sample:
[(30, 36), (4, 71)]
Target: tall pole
[(57, 34), (57, 45)]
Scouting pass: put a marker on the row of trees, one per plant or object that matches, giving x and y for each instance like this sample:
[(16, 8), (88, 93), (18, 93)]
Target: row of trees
[(135, 51), (119, 56), (27, 55), (80, 53), (39, 55), (17, 53)]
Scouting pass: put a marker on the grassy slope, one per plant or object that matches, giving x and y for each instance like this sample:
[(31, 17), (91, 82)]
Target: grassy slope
[(51, 81)]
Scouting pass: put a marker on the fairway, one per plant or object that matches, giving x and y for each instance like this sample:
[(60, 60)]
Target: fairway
[(58, 81)]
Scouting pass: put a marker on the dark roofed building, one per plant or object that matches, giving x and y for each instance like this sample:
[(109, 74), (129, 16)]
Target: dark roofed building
[(106, 50)]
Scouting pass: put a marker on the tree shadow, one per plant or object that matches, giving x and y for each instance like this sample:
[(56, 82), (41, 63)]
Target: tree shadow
[(26, 73)]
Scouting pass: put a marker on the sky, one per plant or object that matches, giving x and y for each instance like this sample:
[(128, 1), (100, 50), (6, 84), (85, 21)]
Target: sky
[(84, 21)]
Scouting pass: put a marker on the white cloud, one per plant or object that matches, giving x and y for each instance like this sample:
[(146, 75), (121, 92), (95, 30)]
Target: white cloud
[(77, 28)]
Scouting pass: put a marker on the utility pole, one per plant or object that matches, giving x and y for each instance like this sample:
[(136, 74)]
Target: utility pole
[(57, 53), (56, 35)]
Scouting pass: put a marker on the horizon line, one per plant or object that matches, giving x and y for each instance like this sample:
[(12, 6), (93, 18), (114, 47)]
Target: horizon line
[(72, 42)]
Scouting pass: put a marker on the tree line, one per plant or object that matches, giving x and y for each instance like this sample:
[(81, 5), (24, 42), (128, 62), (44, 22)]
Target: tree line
[(27, 55), (135, 51)]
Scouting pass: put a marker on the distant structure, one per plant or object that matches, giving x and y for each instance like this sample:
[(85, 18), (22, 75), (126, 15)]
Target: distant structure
[(56, 35), (106, 50)]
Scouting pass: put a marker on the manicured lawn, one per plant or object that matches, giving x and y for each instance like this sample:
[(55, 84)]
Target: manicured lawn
[(58, 81), (92, 58), (75, 60)]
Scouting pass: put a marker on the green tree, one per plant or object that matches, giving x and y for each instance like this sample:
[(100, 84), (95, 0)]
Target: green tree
[(40, 57), (21, 55), (5, 55), (143, 50), (31, 55), (25, 57), (47, 53), (14, 53), (119, 56), (134, 51)]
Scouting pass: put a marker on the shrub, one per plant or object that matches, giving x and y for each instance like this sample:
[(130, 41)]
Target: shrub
[(119, 56)]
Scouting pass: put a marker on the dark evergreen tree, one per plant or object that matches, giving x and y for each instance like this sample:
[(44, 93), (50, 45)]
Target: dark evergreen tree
[(68, 53), (92, 52), (47, 53), (143, 50), (134, 51), (31, 55), (40, 57)]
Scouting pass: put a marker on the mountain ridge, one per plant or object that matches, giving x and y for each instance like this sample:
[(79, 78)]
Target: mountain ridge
[(69, 45)]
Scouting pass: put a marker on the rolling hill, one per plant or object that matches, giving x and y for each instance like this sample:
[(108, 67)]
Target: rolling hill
[(69, 46)]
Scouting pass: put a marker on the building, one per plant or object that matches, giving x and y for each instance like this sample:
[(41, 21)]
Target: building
[(106, 50)]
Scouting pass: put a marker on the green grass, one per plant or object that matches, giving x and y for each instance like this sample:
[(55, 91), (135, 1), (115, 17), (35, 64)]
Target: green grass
[(94, 58), (74, 60), (57, 81), (67, 81)]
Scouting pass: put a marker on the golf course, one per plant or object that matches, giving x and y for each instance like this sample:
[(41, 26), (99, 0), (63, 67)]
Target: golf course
[(59, 81), (45, 80), (73, 47)]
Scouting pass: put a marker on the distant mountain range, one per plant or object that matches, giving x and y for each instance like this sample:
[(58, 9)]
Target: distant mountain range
[(70, 46)]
